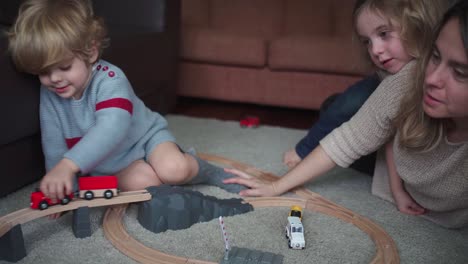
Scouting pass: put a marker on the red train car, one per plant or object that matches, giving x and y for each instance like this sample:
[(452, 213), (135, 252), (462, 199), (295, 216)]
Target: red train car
[(101, 186), (89, 188)]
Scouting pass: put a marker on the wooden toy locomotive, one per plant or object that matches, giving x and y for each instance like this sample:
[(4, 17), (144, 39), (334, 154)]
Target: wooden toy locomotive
[(89, 188)]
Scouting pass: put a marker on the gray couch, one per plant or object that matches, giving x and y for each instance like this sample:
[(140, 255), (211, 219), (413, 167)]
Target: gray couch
[(144, 43)]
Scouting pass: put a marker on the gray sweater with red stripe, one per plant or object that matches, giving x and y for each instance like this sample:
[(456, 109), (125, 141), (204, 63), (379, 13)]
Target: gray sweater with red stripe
[(102, 132)]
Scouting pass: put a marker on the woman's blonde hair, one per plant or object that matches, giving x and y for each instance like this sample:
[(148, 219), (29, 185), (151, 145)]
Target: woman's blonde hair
[(416, 19), (418, 131), (48, 31)]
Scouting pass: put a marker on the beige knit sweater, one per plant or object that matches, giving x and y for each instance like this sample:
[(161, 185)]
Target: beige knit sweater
[(437, 180)]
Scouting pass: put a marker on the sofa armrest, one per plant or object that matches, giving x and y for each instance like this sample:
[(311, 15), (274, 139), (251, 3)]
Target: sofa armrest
[(21, 160), (19, 100), (145, 44)]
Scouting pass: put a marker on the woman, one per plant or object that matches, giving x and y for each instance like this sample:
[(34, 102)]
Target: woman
[(431, 124)]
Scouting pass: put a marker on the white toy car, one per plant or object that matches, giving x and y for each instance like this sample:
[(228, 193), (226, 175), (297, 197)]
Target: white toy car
[(295, 233)]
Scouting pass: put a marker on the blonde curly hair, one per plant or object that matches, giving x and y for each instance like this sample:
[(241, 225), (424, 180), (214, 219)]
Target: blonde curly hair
[(47, 32)]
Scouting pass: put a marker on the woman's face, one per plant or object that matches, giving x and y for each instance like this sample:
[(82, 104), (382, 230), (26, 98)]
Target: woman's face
[(446, 82)]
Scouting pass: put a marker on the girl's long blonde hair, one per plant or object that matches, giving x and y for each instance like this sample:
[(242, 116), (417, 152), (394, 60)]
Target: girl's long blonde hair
[(416, 19), (48, 31)]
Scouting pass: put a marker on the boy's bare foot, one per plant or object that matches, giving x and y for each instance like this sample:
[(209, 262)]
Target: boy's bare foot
[(291, 159), (55, 216)]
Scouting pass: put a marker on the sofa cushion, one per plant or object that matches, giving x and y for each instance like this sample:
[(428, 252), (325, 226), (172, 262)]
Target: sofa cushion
[(260, 18), (343, 16), (218, 47), (195, 13), (306, 17), (333, 54)]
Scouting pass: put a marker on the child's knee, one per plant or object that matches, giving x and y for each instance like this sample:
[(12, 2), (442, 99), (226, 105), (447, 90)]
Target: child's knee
[(138, 182), (138, 178), (174, 171)]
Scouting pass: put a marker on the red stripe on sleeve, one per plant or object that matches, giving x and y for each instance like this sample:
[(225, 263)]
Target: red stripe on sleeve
[(72, 142), (122, 103)]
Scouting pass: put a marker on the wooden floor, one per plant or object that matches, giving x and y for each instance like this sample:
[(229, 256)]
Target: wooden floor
[(268, 115)]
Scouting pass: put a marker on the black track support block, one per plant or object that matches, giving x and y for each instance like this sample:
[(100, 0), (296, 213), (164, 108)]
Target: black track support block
[(12, 245), (81, 223)]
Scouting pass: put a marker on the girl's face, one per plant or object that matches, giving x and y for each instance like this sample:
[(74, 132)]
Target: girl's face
[(69, 78), (382, 40), (446, 83)]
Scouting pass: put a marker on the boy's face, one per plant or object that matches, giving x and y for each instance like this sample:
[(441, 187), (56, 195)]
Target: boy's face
[(69, 78), (446, 83), (382, 40)]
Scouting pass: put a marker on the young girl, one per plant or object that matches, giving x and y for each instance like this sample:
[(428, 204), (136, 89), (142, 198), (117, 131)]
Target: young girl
[(426, 100), (91, 120), (405, 18)]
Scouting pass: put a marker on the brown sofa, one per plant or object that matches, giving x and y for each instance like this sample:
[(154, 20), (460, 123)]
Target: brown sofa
[(292, 53), (144, 43)]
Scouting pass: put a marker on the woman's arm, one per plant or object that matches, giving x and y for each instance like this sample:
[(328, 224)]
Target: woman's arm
[(311, 167), (396, 184), (403, 200), (367, 131)]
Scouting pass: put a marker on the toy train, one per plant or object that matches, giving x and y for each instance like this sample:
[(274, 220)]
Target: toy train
[(294, 228), (89, 188)]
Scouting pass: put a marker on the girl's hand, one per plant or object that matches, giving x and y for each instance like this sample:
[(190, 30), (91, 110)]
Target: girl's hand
[(407, 205), (257, 187), (59, 180), (291, 159)]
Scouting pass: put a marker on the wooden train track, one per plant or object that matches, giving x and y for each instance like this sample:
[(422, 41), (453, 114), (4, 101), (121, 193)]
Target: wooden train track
[(114, 229), (25, 215)]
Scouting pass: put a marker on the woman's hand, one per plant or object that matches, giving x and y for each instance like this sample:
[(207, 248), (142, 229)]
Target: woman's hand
[(257, 186), (406, 204), (59, 180)]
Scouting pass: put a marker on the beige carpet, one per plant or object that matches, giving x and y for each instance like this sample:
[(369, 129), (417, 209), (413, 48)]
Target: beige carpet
[(329, 240)]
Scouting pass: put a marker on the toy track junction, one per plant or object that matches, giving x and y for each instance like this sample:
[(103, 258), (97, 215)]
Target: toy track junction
[(114, 230)]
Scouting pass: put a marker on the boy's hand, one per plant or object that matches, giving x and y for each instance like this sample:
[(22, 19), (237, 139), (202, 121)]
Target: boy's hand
[(59, 180), (407, 205)]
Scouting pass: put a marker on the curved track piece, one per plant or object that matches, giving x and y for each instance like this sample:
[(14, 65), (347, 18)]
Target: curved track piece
[(114, 230)]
